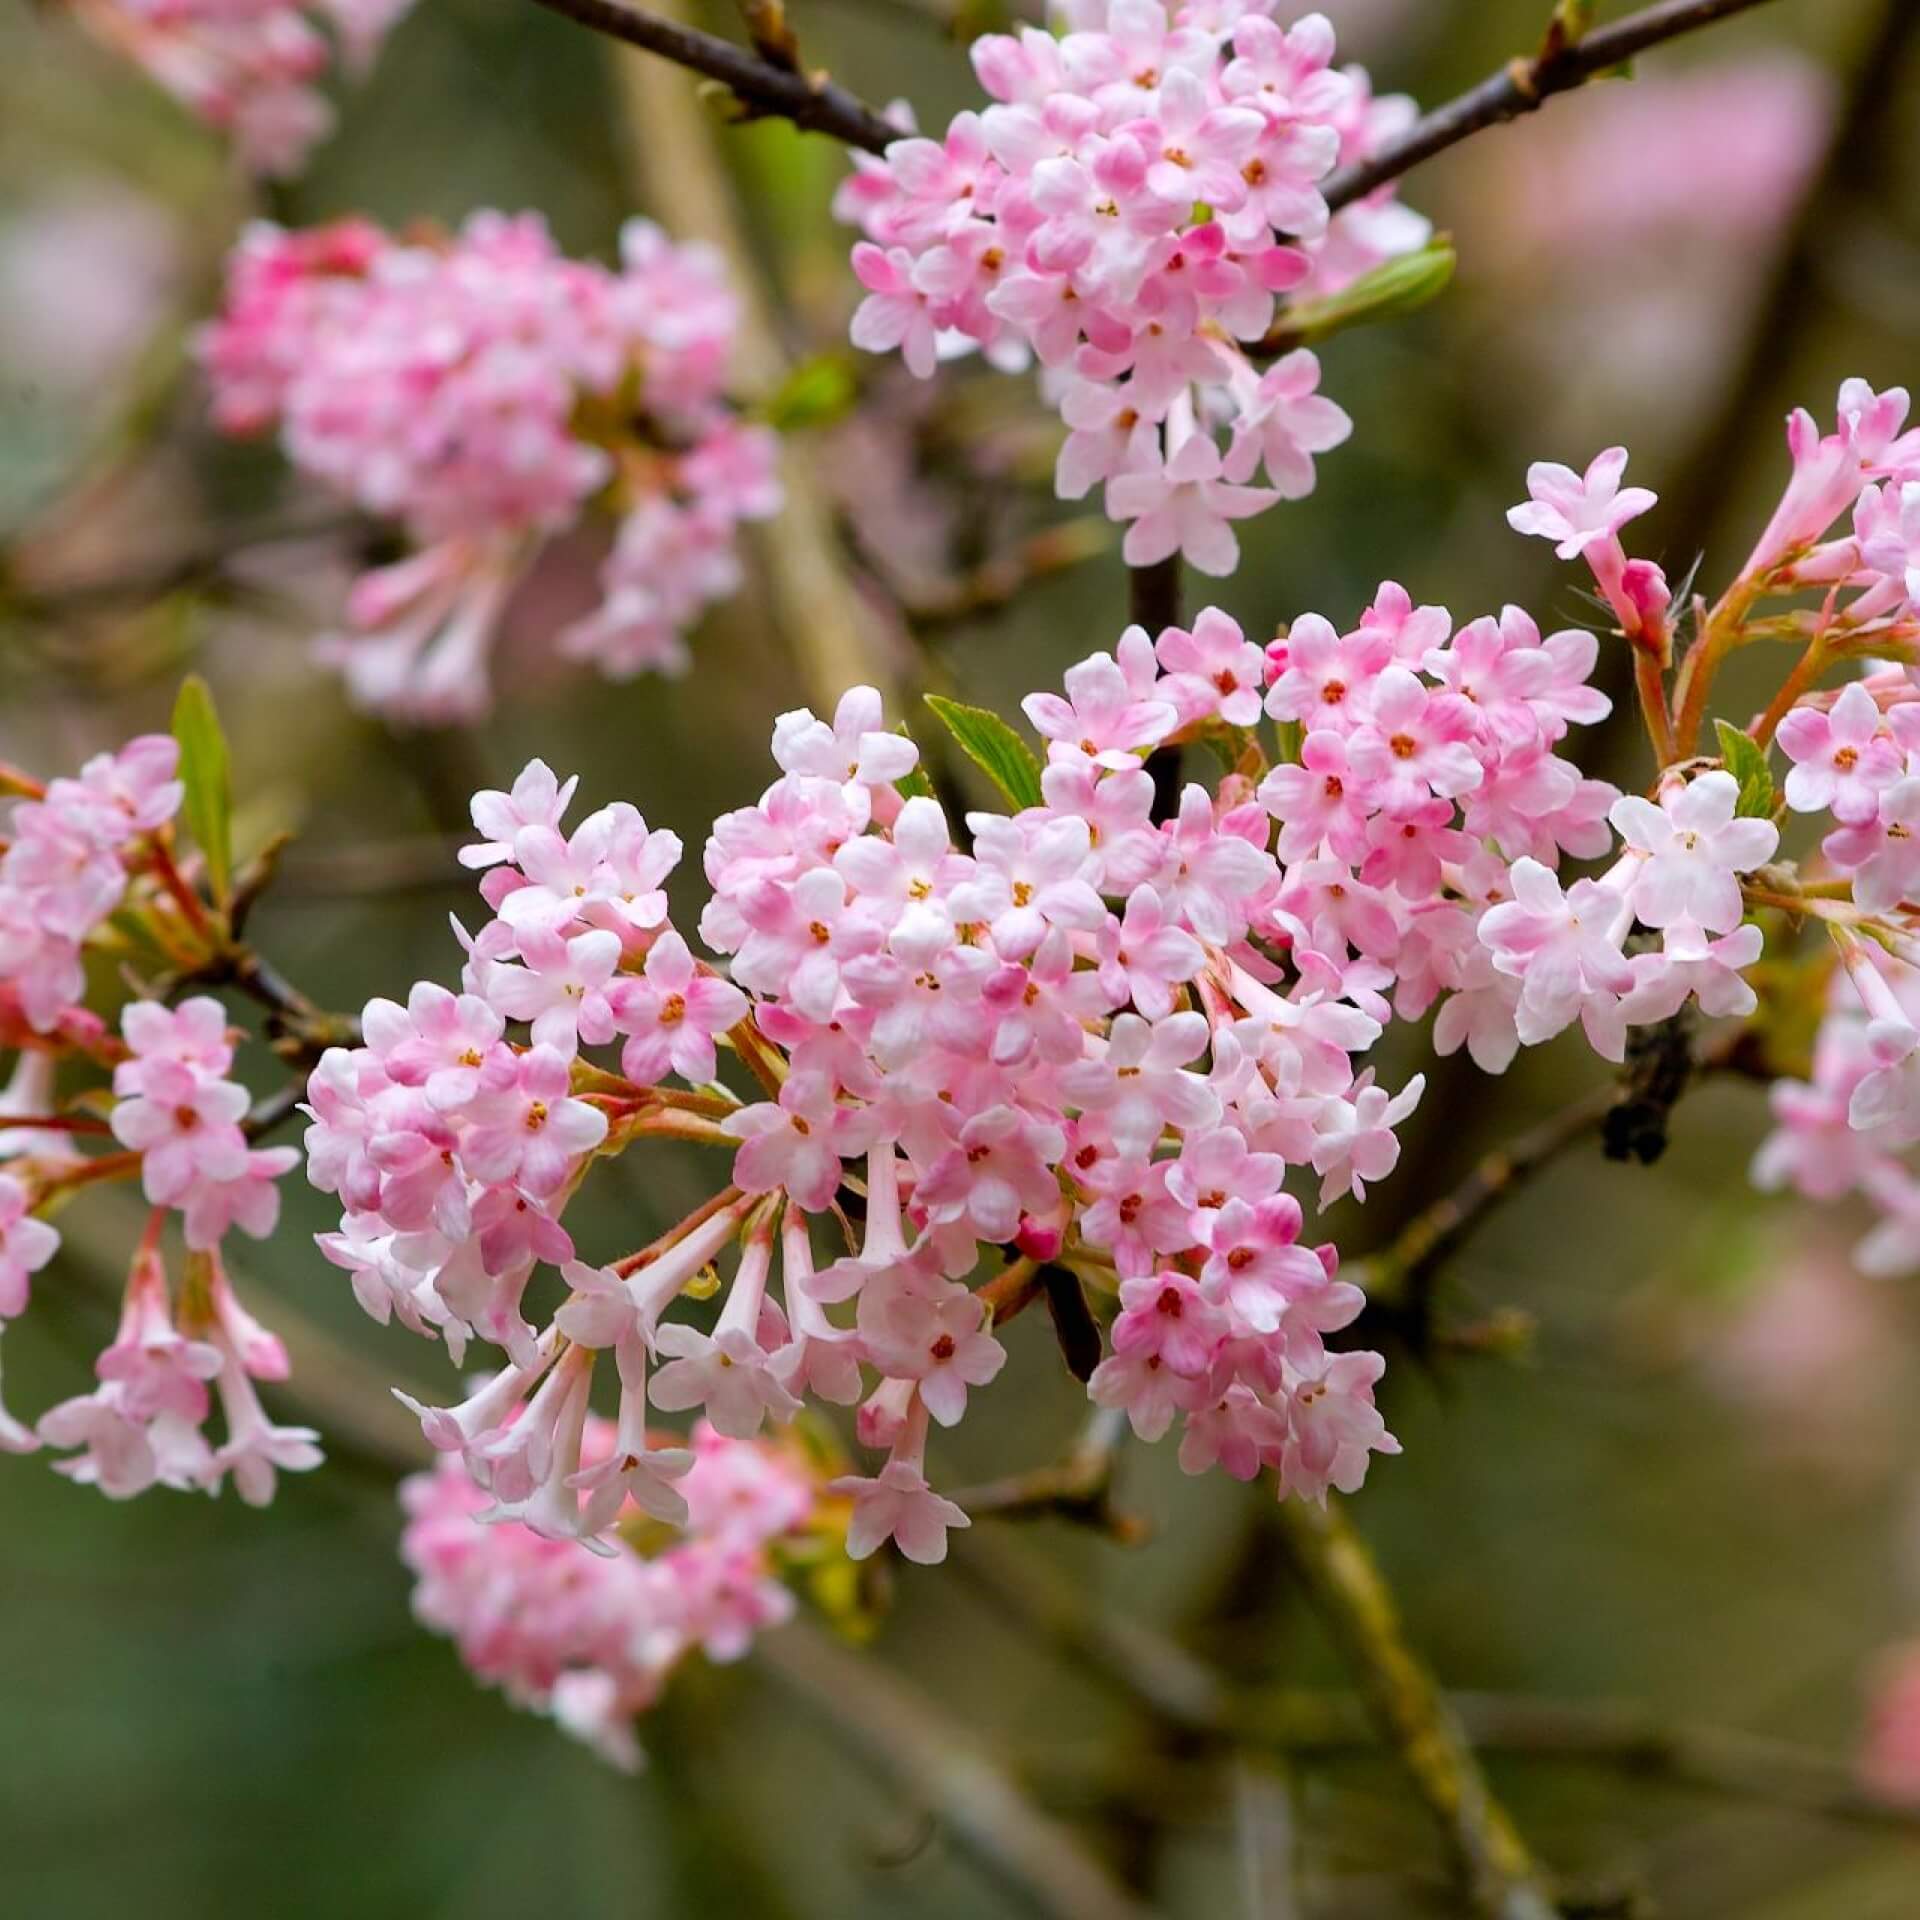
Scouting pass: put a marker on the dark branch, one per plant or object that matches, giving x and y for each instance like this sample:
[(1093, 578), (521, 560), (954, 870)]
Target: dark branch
[(764, 91), (1525, 85)]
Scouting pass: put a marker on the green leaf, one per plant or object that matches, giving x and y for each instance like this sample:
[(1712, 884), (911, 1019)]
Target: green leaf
[(994, 748), (815, 394), (1746, 760), (1398, 287), (205, 772)]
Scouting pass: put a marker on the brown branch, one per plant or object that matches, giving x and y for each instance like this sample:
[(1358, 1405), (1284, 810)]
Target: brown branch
[(1523, 86), (1400, 1279), (760, 89), (1153, 595), (1078, 1487), (1413, 1717)]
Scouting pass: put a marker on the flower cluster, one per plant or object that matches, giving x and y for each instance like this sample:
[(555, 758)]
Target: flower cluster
[(176, 1107), (1688, 866), (67, 866), (1127, 212), (999, 1048), (90, 867), (247, 67), (591, 1640), (484, 391)]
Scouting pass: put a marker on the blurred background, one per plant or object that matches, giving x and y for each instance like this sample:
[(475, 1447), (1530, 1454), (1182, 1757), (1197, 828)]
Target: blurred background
[(1698, 1494)]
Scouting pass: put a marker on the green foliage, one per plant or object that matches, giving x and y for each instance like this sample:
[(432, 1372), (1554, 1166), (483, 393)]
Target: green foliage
[(1398, 287), (205, 770), (815, 394), (1746, 760), (994, 748)]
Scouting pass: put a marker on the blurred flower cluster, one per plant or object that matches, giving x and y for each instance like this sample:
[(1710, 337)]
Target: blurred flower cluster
[(485, 392), (590, 1640), (247, 67)]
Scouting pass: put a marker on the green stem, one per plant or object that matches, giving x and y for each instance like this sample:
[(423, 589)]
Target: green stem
[(1412, 1715)]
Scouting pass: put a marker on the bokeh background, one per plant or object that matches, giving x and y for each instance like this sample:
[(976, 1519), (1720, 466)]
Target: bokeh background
[(1700, 1493)]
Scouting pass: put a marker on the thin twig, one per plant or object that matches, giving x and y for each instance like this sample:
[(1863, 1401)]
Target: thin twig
[(1078, 1487), (912, 1742), (1525, 85), (1311, 1723), (761, 90), (1400, 1279)]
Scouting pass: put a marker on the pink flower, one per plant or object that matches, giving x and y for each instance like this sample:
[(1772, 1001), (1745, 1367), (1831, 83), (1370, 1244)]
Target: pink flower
[(1254, 1268), (1284, 422), (186, 1131), (1354, 1141), (935, 1338), (1579, 512), (1140, 1085), (1415, 743), (796, 1144), (563, 990), (1165, 1316), (1883, 856), (1214, 669), (1695, 848), (525, 1129), (671, 1015), (26, 1245), (1844, 759), (895, 312), (1142, 957), (1184, 507), (1028, 878), (1000, 1167), (1099, 719), (897, 1504), (1564, 948), (1332, 1425)]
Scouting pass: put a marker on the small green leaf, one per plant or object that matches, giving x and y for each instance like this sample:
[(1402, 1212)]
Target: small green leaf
[(815, 394), (1398, 287), (1746, 760), (994, 748), (205, 772)]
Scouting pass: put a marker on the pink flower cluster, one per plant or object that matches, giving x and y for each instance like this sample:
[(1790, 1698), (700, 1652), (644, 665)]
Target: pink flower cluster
[(1126, 213), (590, 1641), (247, 67), (142, 1426), (1687, 865), (84, 851), (485, 391), (1064, 1044), (175, 1107), (67, 866)]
